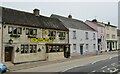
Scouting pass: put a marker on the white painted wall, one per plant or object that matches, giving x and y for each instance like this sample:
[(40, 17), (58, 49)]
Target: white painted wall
[(0, 40), (81, 39)]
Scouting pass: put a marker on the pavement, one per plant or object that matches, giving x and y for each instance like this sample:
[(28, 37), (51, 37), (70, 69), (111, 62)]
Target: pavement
[(61, 65)]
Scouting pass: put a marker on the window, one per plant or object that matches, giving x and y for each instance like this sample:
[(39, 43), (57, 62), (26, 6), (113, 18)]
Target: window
[(14, 30), (10, 29), (113, 36), (31, 31), (54, 49), (86, 35), (94, 47), (108, 36), (52, 35), (93, 36), (33, 48), (113, 45), (74, 47), (87, 46), (62, 35), (25, 48), (107, 28), (74, 34)]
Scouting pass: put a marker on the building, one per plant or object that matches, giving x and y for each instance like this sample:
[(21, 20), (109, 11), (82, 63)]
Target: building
[(111, 36), (100, 28), (28, 37), (82, 38), (118, 37)]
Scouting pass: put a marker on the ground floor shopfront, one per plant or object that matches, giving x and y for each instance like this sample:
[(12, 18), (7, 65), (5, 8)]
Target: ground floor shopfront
[(111, 45), (19, 53)]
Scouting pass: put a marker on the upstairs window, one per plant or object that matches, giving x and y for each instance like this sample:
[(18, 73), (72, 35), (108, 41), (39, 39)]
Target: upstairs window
[(94, 36), (52, 35), (62, 35), (108, 36), (74, 47), (87, 46), (31, 31), (113, 37), (14, 30), (86, 35), (74, 34)]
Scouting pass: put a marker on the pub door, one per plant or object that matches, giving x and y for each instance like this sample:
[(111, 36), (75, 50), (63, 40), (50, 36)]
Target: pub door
[(8, 54)]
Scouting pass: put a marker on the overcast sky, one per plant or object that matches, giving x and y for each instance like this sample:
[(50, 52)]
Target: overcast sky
[(103, 11)]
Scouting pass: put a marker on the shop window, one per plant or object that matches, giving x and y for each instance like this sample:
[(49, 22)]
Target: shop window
[(33, 48), (28, 48), (54, 49), (52, 35), (62, 35), (24, 49)]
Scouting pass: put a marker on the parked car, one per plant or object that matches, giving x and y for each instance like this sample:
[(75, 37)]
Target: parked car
[(3, 68)]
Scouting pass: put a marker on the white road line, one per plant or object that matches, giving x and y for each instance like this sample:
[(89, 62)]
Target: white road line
[(94, 62), (103, 71), (103, 67), (93, 71), (113, 64)]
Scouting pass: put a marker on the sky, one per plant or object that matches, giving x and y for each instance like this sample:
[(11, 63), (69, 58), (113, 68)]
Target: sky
[(82, 10)]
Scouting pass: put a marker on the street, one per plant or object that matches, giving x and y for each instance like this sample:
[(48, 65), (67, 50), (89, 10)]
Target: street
[(100, 63)]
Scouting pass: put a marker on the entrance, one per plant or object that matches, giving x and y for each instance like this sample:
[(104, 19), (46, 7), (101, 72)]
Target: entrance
[(8, 53), (81, 49)]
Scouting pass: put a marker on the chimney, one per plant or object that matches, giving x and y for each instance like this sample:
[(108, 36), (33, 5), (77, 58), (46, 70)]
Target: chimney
[(69, 16), (108, 23), (36, 12), (94, 20)]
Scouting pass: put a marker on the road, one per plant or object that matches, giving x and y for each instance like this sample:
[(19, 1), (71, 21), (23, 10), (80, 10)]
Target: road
[(109, 65), (99, 63)]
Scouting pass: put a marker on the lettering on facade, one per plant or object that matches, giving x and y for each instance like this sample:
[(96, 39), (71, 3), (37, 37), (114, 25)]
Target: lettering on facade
[(40, 40)]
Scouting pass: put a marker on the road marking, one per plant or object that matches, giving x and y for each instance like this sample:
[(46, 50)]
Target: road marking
[(113, 64), (103, 67), (94, 62), (103, 71), (93, 71)]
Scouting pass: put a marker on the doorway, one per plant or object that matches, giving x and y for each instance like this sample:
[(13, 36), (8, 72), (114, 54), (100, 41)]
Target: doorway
[(8, 53), (81, 49)]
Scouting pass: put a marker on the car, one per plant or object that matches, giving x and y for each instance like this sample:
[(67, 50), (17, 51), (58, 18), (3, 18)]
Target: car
[(3, 68)]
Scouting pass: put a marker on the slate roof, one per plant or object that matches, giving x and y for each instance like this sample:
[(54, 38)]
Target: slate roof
[(73, 23), (16, 17), (118, 32)]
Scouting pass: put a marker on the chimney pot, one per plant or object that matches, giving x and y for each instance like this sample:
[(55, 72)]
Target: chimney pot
[(36, 12), (69, 16), (108, 23)]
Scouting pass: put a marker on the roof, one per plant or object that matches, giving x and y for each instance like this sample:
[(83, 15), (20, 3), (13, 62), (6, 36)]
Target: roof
[(97, 23), (16, 17), (118, 32), (73, 23)]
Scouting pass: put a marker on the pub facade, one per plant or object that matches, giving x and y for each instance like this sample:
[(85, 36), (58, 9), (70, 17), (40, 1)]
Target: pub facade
[(29, 37)]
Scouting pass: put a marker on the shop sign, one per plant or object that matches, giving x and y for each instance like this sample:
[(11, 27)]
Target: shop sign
[(40, 40)]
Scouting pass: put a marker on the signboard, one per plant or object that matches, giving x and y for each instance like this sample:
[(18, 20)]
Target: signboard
[(40, 40)]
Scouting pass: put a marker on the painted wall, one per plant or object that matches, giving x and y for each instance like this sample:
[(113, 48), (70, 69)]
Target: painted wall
[(111, 31), (101, 33), (23, 39), (81, 40), (0, 40), (118, 47)]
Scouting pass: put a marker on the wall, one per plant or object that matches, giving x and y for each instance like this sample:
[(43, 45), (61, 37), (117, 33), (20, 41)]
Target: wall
[(0, 40), (81, 39), (23, 39)]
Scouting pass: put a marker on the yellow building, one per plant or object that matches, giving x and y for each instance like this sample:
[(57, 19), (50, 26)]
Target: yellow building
[(28, 37), (111, 37)]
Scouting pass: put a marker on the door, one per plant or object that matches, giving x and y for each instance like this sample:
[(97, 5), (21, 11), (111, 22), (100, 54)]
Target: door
[(110, 46), (8, 53), (81, 49)]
